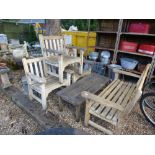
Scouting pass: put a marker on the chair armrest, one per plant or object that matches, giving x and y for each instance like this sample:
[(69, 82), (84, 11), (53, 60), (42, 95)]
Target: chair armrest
[(100, 100), (126, 73), (36, 78), (69, 71), (76, 47), (54, 51)]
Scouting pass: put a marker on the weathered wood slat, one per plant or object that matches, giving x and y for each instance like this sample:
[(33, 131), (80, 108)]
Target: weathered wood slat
[(128, 95), (119, 101), (100, 128), (51, 45), (61, 44), (125, 100), (46, 44), (54, 44), (107, 109), (119, 93), (110, 89), (58, 44), (100, 109), (41, 69), (36, 68), (95, 105), (112, 83), (115, 90), (31, 68)]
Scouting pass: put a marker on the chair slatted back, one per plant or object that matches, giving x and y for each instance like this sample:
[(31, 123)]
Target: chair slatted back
[(34, 66), (55, 43)]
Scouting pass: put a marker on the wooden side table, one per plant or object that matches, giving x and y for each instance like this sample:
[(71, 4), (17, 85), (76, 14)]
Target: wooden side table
[(4, 78), (72, 94)]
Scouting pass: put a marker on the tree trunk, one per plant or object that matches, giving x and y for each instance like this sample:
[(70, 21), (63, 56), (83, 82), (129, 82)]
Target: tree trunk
[(53, 27)]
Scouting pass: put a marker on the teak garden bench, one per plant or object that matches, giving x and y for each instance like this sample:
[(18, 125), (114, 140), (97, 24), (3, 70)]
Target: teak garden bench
[(40, 84), (115, 102)]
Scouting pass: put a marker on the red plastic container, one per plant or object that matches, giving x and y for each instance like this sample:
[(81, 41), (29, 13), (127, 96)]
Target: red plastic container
[(146, 49), (128, 46), (139, 27)]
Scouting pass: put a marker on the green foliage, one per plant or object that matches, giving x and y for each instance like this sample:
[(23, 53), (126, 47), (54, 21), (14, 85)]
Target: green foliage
[(82, 24), (32, 35), (23, 32)]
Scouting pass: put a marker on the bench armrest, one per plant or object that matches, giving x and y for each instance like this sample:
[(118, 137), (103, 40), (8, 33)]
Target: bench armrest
[(100, 100), (36, 78), (126, 73)]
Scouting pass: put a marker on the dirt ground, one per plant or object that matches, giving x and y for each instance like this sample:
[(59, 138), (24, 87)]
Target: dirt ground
[(15, 121)]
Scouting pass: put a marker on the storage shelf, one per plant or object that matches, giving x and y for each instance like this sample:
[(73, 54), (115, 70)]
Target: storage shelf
[(107, 32), (139, 34), (136, 53), (103, 48)]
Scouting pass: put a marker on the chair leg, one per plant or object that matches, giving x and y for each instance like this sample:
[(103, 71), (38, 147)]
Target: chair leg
[(43, 100), (60, 104), (73, 78), (69, 79), (78, 113), (118, 130), (81, 69), (30, 93), (30, 98), (120, 124), (87, 114)]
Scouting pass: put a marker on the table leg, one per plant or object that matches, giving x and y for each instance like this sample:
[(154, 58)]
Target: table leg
[(77, 113), (5, 80), (60, 104)]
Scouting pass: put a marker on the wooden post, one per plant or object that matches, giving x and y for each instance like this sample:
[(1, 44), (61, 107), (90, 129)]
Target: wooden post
[(69, 79), (88, 37), (61, 68), (5, 80), (77, 112), (87, 114), (60, 104), (81, 63), (43, 97)]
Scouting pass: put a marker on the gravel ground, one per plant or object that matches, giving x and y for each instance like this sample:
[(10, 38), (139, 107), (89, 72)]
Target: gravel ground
[(135, 124), (15, 121)]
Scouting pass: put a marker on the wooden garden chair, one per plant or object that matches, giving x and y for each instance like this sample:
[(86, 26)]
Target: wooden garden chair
[(40, 84), (115, 102), (59, 55)]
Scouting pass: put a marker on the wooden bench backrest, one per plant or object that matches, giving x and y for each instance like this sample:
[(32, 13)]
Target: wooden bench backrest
[(34, 66), (138, 91), (52, 43), (142, 78)]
